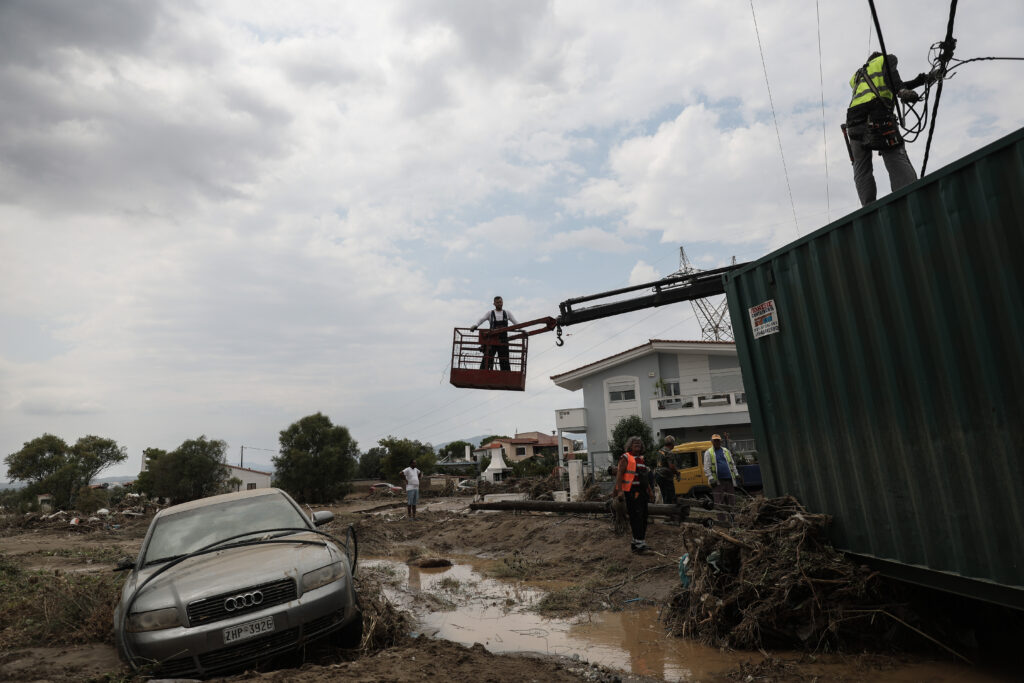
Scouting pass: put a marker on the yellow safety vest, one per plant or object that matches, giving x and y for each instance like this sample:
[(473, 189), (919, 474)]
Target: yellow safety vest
[(862, 91)]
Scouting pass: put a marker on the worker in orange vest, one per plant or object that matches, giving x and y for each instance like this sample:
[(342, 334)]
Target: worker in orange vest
[(633, 486)]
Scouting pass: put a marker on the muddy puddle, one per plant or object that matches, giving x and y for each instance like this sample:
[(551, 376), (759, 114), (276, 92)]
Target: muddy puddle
[(460, 604)]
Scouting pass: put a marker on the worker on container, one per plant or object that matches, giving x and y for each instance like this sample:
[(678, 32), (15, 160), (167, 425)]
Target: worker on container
[(632, 486), (871, 124), (499, 318), (720, 469), (665, 473)]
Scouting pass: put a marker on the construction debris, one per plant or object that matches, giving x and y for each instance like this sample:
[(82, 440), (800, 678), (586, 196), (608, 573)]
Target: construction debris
[(773, 580)]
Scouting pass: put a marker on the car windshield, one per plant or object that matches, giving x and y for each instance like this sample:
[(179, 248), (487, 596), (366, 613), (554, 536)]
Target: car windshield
[(188, 531)]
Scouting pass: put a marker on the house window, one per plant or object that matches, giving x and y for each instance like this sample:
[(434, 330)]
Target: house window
[(250, 487), (520, 450), (621, 391)]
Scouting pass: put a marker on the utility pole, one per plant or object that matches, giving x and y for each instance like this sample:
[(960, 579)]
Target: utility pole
[(241, 453)]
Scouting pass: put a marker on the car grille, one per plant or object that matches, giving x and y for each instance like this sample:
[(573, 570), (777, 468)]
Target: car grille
[(212, 609), (250, 649), (317, 625)]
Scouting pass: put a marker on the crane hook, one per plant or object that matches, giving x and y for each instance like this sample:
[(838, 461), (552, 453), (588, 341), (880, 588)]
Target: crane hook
[(558, 336)]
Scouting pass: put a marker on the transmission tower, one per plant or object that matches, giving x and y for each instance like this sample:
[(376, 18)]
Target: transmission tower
[(712, 313)]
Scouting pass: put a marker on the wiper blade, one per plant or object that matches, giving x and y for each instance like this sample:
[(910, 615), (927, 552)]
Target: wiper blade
[(160, 560)]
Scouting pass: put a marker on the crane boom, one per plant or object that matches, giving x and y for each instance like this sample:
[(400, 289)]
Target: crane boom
[(669, 290)]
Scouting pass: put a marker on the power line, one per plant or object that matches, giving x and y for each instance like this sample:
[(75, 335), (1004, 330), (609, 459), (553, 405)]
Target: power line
[(947, 54), (775, 119), (824, 136)]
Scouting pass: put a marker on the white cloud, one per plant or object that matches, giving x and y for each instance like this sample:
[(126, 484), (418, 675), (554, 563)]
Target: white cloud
[(643, 272), (222, 216)]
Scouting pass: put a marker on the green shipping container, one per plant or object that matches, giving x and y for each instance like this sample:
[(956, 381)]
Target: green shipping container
[(883, 358)]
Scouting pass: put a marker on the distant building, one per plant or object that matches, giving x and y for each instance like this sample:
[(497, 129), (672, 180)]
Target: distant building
[(251, 479), (523, 446), (45, 502), (689, 389)]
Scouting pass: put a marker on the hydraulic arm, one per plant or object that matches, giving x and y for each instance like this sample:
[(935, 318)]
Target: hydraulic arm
[(668, 290)]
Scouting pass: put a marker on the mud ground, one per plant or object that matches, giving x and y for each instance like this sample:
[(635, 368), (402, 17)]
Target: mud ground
[(583, 566)]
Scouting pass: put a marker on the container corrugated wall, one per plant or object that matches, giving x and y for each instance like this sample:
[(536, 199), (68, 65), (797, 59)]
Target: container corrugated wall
[(892, 395)]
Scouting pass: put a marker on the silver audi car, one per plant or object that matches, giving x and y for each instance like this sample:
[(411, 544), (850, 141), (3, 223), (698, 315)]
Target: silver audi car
[(226, 581)]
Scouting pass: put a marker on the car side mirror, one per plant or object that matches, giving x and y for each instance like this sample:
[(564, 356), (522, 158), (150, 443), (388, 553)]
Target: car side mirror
[(124, 564), (321, 517)]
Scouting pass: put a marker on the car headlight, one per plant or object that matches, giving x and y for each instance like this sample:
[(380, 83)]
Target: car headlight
[(322, 576), (153, 621)]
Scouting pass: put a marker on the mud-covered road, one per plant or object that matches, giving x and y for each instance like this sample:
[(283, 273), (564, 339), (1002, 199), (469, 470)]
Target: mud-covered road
[(529, 597)]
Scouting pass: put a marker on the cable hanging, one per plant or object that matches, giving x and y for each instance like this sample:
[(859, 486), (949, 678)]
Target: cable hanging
[(771, 103), (824, 137), (948, 45)]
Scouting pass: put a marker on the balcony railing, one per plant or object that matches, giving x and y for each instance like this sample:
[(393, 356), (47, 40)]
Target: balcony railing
[(699, 404)]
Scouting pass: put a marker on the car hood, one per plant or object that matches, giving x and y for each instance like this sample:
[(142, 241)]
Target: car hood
[(229, 569)]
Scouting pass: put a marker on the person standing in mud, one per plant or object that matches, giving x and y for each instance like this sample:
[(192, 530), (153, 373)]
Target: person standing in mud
[(723, 477), (412, 487), (633, 486), (665, 473)]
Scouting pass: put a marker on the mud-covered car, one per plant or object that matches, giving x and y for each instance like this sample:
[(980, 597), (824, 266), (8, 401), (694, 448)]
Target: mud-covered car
[(225, 581)]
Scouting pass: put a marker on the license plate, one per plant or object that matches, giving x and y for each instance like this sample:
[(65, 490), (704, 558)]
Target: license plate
[(249, 629)]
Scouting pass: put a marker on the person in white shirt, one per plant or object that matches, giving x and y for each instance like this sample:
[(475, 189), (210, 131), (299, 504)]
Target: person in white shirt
[(412, 487), (499, 318)]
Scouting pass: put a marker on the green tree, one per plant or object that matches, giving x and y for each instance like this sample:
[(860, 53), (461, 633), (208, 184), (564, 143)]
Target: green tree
[(400, 452), (145, 483), (535, 467), (89, 500), (370, 463), (631, 425), (195, 469), (487, 439), (456, 450), (317, 460), (49, 465)]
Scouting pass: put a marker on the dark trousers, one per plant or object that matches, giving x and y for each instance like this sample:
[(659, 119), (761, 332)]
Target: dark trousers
[(636, 506), (723, 493), (668, 490), (500, 350)]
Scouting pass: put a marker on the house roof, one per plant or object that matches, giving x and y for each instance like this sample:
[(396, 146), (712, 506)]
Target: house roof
[(246, 469), (573, 379)]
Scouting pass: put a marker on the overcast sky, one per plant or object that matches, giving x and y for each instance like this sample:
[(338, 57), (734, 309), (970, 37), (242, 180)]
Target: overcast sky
[(219, 217)]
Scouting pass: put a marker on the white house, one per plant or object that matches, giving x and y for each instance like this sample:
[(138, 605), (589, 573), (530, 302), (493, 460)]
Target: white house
[(251, 479), (689, 389)]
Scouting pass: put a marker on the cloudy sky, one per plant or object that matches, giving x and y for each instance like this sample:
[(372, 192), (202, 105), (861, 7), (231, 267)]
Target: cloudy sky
[(219, 217)]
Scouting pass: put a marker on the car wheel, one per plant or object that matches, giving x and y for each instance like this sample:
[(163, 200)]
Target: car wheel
[(350, 637)]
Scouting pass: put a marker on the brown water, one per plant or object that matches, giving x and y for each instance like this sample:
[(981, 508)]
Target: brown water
[(497, 614)]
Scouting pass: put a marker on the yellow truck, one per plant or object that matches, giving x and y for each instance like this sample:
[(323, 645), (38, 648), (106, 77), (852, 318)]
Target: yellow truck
[(689, 459)]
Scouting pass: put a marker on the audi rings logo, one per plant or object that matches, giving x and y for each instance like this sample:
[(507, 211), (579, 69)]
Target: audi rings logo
[(243, 600)]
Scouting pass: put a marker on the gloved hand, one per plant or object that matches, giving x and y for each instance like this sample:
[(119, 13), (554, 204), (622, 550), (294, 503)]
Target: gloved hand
[(908, 96), (934, 75)]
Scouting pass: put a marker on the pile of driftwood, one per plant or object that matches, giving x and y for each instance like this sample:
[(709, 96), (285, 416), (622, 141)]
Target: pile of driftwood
[(773, 580)]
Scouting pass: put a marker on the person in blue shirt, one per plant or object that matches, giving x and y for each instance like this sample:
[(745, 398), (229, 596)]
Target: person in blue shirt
[(720, 469)]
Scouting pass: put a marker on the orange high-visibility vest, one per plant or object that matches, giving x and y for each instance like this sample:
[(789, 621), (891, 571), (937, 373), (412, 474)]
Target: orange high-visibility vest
[(630, 474)]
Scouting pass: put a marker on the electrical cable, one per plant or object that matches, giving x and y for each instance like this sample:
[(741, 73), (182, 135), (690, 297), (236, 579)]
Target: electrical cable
[(824, 136), (948, 45), (775, 119), (961, 62)]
